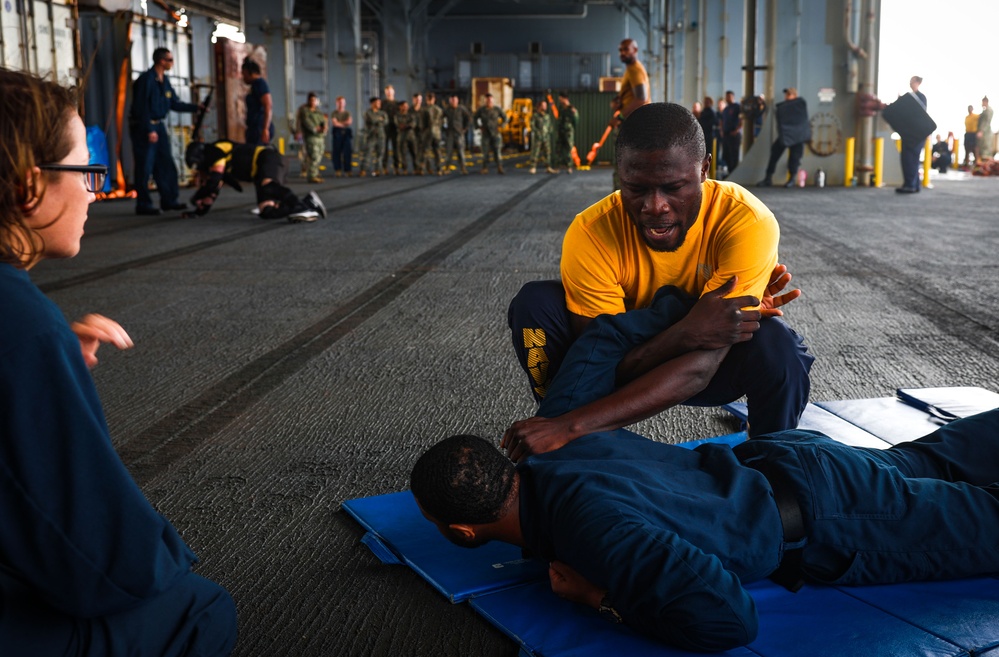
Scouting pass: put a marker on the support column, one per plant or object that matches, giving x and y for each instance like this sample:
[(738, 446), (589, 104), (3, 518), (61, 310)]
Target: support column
[(346, 59), (264, 25)]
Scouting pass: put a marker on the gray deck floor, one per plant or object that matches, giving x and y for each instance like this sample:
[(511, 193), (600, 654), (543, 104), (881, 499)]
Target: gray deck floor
[(281, 369)]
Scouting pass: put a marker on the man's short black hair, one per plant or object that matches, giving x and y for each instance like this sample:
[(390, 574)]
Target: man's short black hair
[(160, 54), (660, 126), (373, 99), (463, 479), (251, 66)]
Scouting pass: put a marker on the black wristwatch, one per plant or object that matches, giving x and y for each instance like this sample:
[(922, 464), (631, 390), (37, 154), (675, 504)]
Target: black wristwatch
[(609, 612)]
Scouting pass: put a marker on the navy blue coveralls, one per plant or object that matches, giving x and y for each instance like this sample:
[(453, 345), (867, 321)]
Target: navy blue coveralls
[(673, 534), (771, 369), (88, 568), (152, 99)]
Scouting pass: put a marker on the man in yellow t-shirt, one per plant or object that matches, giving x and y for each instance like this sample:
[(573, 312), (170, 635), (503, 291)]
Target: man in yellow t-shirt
[(970, 137), (692, 265), (634, 90)]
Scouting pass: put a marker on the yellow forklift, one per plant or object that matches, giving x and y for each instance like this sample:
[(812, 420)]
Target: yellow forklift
[(517, 129)]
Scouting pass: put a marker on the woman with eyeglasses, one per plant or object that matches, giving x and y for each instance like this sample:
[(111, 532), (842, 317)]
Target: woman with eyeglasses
[(87, 566)]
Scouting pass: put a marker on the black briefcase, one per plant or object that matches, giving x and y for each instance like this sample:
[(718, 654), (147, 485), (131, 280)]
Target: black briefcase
[(909, 119), (793, 123)]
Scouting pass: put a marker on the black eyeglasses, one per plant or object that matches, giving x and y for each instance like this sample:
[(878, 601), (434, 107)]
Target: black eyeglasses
[(93, 174)]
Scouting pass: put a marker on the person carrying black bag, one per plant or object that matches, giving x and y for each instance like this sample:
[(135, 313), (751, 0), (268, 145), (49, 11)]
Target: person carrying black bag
[(793, 130)]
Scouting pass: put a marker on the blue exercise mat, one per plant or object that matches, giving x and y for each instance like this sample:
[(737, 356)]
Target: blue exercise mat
[(545, 625), (398, 533)]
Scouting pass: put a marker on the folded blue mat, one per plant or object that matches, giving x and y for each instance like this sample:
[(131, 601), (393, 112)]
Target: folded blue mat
[(953, 618), (544, 624), (398, 533)]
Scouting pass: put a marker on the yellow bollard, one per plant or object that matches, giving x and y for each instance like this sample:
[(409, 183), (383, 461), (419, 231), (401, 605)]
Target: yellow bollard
[(957, 151), (714, 158), (879, 161), (848, 168), (927, 162), (281, 145)]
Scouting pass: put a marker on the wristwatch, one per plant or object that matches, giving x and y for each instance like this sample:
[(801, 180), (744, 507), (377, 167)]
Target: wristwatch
[(609, 612)]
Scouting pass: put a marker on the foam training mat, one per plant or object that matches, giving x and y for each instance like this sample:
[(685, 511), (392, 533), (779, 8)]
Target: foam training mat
[(941, 619)]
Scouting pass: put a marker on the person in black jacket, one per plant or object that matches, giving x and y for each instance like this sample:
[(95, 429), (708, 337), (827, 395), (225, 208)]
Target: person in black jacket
[(793, 130)]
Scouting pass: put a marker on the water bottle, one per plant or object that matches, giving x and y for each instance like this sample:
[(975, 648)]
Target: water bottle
[(820, 178)]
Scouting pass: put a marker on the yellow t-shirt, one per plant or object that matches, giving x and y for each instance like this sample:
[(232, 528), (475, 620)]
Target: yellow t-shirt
[(607, 268), (971, 123), (634, 75)]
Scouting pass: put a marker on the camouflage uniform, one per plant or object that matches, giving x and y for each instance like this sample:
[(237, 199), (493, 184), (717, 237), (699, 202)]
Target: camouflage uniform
[(374, 140), (431, 123), (490, 119), (541, 140), (458, 119), (312, 125), (405, 126), (567, 119)]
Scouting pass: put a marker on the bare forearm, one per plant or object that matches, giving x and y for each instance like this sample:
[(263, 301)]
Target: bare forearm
[(667, 345), (662, 387)]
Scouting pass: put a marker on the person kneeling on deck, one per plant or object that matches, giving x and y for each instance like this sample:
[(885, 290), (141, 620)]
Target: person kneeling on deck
[(226, 162), (664, 539), (714, 244)]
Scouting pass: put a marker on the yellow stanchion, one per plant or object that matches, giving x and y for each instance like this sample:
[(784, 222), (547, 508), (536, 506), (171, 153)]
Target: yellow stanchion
[(927, 162), (281, 145), (879, 161), (848, 157), (957, 151), (714, 158)]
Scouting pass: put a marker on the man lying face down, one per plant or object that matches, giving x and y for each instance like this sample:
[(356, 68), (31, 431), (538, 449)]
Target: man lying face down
[(663, 538)]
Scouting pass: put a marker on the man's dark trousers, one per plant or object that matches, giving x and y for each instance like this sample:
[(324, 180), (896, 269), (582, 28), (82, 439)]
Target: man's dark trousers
[(899, 514), (795, 152), (342, 149), (771, 369), (156, 160), (730, 150), (910, 163)]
